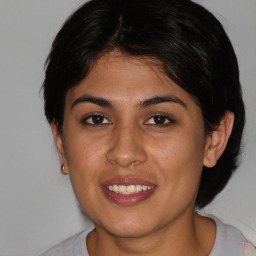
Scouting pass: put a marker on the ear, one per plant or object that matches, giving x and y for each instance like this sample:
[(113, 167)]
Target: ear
[(59, 145), (217, 141)]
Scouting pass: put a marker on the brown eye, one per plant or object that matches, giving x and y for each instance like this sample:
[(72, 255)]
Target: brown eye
[(96, 120), (160, 120)]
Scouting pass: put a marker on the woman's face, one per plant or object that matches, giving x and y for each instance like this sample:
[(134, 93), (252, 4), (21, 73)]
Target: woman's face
[(134, 144)]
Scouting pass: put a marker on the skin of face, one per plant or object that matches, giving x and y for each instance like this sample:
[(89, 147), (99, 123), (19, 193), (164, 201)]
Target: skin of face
[(141, 126)]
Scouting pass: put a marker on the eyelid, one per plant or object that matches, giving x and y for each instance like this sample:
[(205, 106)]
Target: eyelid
[(170, 119), (91, 115)]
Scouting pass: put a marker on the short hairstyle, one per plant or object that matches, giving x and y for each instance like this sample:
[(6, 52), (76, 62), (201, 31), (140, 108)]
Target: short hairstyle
[(188, 41)]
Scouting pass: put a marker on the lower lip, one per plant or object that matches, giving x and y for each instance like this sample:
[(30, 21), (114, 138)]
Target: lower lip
[(130, 199)]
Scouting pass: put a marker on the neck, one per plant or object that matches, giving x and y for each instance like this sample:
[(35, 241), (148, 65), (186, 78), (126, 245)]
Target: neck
[(186, 236)]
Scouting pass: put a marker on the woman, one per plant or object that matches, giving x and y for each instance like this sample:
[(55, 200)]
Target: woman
[(145, 105)]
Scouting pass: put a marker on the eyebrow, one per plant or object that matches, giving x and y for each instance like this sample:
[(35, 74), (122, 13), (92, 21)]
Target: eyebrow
[(95, 100), (146, 103), (162, 99)]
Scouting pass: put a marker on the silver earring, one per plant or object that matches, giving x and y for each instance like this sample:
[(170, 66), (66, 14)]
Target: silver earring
[(63, 167), (63, 171)]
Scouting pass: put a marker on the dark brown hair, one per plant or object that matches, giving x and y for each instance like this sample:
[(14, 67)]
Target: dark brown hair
[(184, 37)]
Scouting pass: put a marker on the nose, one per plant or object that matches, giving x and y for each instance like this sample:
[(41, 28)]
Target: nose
[(126, 149)]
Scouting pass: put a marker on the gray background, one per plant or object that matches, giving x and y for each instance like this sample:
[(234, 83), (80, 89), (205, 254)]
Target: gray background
[(37, 205)]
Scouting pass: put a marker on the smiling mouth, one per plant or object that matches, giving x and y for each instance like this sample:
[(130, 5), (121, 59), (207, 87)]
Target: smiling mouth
[(129, 189)]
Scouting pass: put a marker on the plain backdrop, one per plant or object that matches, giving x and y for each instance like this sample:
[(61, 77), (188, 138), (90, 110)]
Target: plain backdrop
[(37, 205)]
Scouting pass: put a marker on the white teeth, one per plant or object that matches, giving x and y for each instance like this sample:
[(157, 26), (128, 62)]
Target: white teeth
[(130, 189), (115, 188), (138, 188), (121, 189)]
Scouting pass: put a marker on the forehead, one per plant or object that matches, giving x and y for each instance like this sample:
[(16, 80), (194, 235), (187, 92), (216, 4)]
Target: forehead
[(120, 77)]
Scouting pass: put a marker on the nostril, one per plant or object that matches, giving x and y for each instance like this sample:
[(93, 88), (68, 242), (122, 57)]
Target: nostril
[(127, 158), (126, 149)]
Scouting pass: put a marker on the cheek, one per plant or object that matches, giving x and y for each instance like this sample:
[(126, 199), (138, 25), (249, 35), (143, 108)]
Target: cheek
[(85, 160), (179, 157), (82, 151), (178, 164), (84, 166)]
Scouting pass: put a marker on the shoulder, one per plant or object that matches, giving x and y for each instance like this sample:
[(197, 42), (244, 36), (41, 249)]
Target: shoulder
[(73, 246), (230, 241)]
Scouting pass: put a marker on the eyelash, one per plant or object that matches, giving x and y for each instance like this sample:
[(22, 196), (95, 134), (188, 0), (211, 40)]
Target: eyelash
[(166, 121), (102, 117)]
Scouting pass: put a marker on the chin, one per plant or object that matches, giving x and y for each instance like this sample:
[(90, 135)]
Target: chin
[(128, 228), (129, 232)]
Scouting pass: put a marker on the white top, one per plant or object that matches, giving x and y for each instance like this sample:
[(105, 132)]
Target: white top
[(229, 242)]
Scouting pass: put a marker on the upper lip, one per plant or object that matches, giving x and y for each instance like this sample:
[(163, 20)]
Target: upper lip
[(126, 181)]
